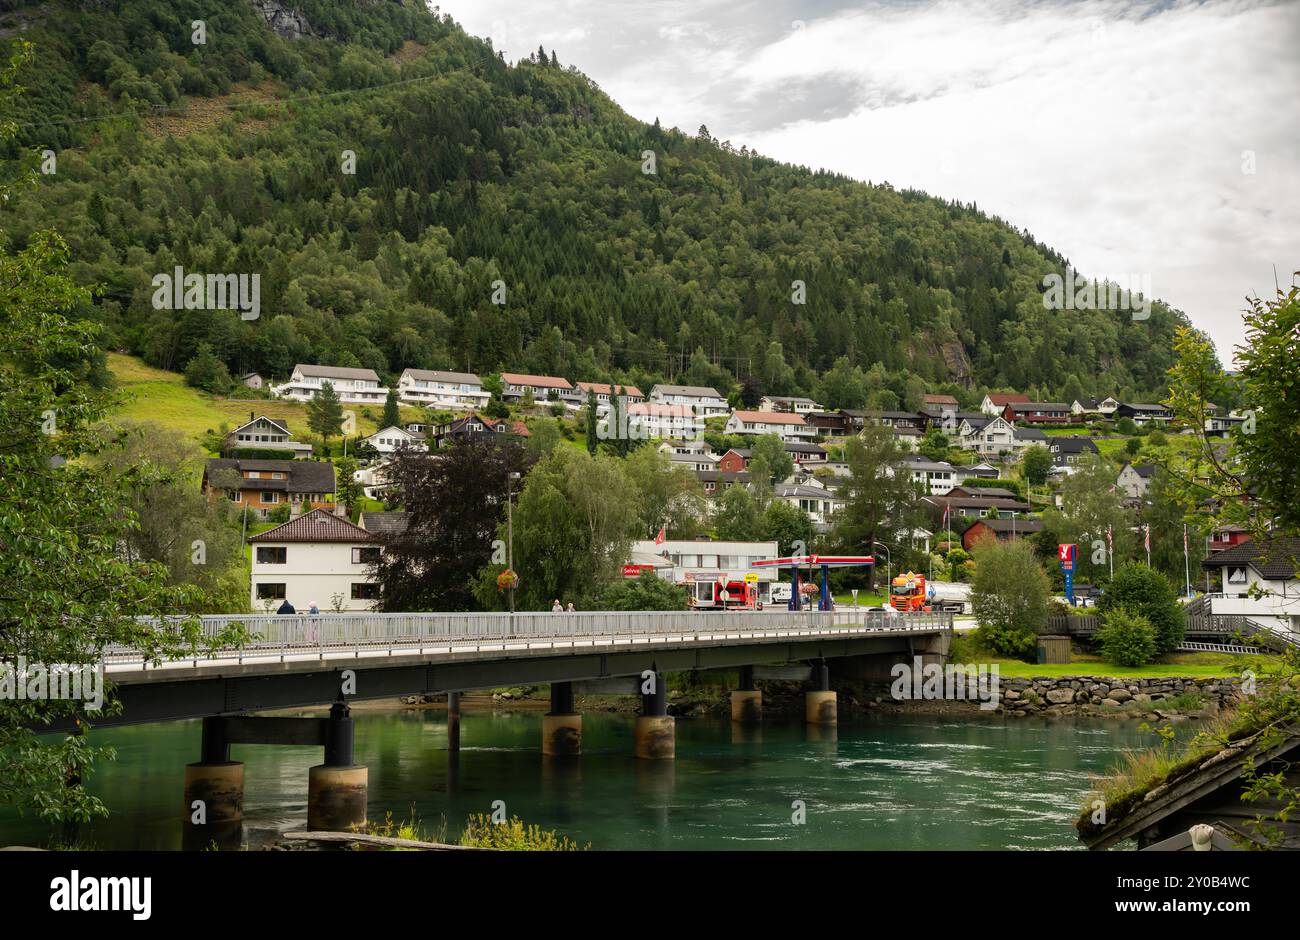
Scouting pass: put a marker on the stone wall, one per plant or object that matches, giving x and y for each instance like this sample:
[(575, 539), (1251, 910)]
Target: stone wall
[(1043, 694)]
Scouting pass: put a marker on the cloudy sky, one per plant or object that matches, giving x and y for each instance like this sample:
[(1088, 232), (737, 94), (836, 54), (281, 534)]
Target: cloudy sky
[(1139, 139)]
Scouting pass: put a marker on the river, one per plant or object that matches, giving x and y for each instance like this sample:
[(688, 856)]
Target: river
[(886, 782)]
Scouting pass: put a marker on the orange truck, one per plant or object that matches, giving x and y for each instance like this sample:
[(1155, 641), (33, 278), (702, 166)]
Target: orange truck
[(911, 591), (907, 591)]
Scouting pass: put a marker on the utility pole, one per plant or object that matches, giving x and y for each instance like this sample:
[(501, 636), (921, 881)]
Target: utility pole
[(511, 477)]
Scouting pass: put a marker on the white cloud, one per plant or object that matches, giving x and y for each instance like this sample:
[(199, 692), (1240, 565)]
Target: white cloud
[(1113, 131)]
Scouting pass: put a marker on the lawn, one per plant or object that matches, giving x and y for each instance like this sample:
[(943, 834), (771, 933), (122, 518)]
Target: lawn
[(1184, 665), (154, 395)]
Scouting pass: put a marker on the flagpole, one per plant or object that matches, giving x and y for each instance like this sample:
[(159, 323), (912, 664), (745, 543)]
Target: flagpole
[(1187, 566)]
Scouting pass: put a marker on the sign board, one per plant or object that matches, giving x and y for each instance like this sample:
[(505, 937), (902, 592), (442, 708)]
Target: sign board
[(751, 577), (633, 571), (1067, 553)]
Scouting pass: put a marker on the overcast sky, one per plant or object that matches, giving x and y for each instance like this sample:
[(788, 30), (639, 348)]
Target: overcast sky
[(1139, 139)]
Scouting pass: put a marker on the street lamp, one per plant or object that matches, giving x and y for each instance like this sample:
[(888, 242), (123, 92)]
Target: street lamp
[(511, 478)]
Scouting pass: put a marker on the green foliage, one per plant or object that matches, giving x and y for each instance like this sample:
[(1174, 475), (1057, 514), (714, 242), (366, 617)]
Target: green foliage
[(736, 516), (279, 515), (391, 416), (1126, 638), (261, 453), (1037, 464), (207, 372), (348, 491), (473, 171), (1148, 594), (514, 836), (647, 591), (325, 413), (789, 526), (1009, 595)]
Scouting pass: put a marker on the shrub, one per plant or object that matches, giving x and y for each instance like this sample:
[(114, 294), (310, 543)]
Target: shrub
[(1147, 592), (261, 453), (278, 515), (514, 836), (1126, 638)]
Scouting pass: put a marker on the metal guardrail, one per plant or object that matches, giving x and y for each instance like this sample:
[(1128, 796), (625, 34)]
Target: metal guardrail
[(1197, 647), (374, 633), (1195, 625)]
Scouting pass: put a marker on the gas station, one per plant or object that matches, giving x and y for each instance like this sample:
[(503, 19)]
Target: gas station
[(813, 562)]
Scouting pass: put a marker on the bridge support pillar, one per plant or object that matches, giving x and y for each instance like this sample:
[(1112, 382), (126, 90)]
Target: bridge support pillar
[(337, 790), (747, 702), (561, 726), (216, 783), (819, 703), (656, 735)]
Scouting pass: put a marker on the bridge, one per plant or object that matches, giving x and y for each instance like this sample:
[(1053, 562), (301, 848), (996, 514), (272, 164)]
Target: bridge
[(1203, 631), (303, 660)]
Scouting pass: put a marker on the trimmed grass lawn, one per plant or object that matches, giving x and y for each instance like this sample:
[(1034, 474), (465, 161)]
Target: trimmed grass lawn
[(864, 599), (1186, 665), (153, 395)]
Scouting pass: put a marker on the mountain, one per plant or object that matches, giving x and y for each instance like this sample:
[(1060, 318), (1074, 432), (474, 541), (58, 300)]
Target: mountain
[(501, 216)]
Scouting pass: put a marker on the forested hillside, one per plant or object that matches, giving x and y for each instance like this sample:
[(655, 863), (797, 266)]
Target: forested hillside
[(229, 156)]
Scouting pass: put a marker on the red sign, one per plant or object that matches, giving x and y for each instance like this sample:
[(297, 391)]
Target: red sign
[(634, 571), (1066, 553)]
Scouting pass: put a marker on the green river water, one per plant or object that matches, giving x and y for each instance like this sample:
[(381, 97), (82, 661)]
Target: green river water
[(887, 782)]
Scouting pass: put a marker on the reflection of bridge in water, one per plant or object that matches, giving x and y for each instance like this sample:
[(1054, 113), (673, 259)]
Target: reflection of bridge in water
[(303, 660)]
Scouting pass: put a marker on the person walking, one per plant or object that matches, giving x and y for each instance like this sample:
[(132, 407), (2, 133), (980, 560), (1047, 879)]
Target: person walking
[(313, 624), (556, 608), (286, 608)]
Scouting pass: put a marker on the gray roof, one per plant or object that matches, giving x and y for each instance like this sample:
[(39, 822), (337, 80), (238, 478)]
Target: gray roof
[(436, 375), (1030, 434), (384, 523), (301, 476), (319, 525), (1277, 560), (697, 391), (336, 372)]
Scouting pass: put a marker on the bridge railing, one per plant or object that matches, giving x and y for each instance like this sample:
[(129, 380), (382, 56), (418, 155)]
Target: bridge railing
[(360, 630)]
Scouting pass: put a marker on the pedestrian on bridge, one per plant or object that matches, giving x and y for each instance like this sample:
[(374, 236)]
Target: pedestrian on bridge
[(556, 608), (286, 608), (313, 623)]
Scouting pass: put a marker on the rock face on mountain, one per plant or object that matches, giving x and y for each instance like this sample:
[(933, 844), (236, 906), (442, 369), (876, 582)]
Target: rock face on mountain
[(284, 20)]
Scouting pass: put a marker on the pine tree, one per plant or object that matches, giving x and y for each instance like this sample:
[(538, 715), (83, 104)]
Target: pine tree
[(325, 414), (391, 417), (591, 421)]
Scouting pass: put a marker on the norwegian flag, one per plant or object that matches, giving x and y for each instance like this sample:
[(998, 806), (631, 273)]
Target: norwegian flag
[(663, 533), (1184, 538), (947, 508), (1146, 531), (1110, 538)]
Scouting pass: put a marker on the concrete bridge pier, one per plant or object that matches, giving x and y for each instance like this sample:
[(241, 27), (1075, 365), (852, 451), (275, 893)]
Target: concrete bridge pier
[(819, 702), (655, 735), (561, 726), (214, 786), (337, 789), (747, 701)]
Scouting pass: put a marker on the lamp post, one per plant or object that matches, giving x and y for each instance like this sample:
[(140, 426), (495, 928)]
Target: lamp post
[(511, 477)]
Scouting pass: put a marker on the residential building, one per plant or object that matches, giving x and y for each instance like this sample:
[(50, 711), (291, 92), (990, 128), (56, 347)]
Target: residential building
[(1070, 451), (934, 477), (897, 419), (1222, 424), (706, 401), (605, 393), (695, 459), (734, 460), (1135, 479), (352, 386), (715, 481), (1027, 437), (786, 425), (263, 433), (1004, 530), (1093, 407), (649, 420), (856, 419), (1037, 412), (828, 423), (318, 557), (974, 506), (252, 380), (987, 436), (374, 480), (385, 524), (264, 485), (475, 425), (803, 453), (1226, 537), (939, 406), (984, 471), (1145, 414), (995, 403), (434, 388), (819, 501), (393, 438), (1259, 580), (543, 388), (799, 406)]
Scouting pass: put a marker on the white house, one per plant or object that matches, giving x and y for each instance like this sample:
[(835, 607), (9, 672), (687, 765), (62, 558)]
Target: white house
[(433, 388), (800, 406), (988, 436), (1259, 581), (649, 420), (935, 477), (1222, 424), (515, 385), (703, 565), (1103, 407), (819, 501), (784, 424), (995, 403), (353, 386), (604, 393), (392, 438), (706, 401), (1135, 479), (317, 557), (263, 433), (374, 479)]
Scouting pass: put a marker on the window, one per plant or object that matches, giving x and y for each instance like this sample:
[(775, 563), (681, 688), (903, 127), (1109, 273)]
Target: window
[(268, 555), (365, 556), (1236, 575), (270, 592), (268, 497), (364, 591)]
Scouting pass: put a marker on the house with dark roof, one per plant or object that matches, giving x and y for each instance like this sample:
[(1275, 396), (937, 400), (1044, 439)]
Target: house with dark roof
[(1145, 414), (1071, 450), (475, 426), (828, 423), (384, 524), (1135, 479), (1037, 412), (704, 401), (1260, 581), (1004, 530), (318, 558), (263, 433), (353, 386), (263, 485)]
